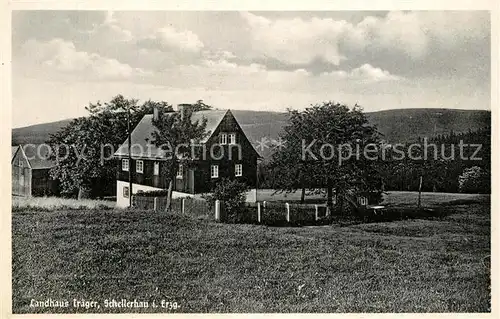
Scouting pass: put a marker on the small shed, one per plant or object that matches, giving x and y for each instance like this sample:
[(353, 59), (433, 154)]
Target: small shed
[(30, 171)]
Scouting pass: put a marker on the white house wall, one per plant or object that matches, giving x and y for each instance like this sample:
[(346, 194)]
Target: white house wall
[(123, 202)]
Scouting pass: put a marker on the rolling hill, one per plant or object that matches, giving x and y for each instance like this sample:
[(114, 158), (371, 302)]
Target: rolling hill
[(36, 134), (398, 125)]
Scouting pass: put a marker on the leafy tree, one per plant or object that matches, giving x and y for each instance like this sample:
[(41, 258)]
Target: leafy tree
[(84, 147), (176, 135), (200, 106), (320, 152)]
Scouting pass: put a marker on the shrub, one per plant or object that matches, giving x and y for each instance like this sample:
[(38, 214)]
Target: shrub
[(274, 216), (474, 180), (232, 194)]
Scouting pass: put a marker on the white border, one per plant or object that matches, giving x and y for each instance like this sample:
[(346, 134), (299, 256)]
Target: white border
[(310, 5)]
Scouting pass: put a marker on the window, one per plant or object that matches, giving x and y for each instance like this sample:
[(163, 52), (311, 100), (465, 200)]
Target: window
[(223, 138), (238, 170), (139, 166), (232, 138), (363, 201), (156, 168), (180, 172), (124, 164), (214, 171), (21, 164), (125, 191)]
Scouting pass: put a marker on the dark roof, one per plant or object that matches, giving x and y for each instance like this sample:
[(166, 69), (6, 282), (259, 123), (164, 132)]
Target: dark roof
[(38, 155), (247, 133), (142, 135)]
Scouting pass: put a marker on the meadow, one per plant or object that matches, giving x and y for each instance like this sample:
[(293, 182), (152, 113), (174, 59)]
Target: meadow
[(417, 265)]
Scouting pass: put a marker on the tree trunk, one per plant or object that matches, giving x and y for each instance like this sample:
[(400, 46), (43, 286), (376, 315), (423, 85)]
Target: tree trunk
[(83, 193), (303, 195), (169, 195)]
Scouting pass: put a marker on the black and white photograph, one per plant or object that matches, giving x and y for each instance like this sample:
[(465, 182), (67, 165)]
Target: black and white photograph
[(215, 161)]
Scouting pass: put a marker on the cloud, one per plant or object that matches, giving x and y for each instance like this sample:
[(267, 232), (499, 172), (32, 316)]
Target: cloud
[(108, 32), (364, 73), (411, 34), (225, 75), (248, 60), (168, 38), (219, 54), (63, 57), (295, 40), (416, 33)]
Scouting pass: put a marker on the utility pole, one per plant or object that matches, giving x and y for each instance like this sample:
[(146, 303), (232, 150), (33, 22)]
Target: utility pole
[(257, 180), (420, 192), (129, 157)]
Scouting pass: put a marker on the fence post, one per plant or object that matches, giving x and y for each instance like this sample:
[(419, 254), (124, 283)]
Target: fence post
[(316, 213), (258, 212), (217, 210), (287, 212), (155, 204), (183, 205)]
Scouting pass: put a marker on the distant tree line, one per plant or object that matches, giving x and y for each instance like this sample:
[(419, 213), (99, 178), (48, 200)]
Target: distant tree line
[(454, 162), (456, 154)]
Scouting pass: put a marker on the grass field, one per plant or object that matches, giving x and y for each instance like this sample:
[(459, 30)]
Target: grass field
[(404, 266)]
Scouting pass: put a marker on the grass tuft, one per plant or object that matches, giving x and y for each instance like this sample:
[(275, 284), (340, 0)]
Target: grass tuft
[(48, 204)]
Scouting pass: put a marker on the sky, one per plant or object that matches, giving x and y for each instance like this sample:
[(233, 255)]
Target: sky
[(269, 61)]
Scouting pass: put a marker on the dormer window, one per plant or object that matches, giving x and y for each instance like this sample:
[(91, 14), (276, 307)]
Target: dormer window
[(223, 139), (232, 138)]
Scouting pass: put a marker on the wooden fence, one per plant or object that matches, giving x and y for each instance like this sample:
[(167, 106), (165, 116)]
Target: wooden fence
[(191, 206), (149, 203), (286, 213), (260, 212)]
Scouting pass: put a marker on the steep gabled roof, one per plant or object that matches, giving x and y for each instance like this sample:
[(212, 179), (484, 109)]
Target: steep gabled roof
[(38, 156), (142, 135), (247, 134), (14, 151), (214, 117)]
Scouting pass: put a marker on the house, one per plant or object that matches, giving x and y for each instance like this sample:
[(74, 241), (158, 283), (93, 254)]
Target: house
[(30, 171), (225, 152)]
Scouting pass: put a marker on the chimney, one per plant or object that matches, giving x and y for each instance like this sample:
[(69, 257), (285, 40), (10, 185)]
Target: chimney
[(155, 114), (181, 108)]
